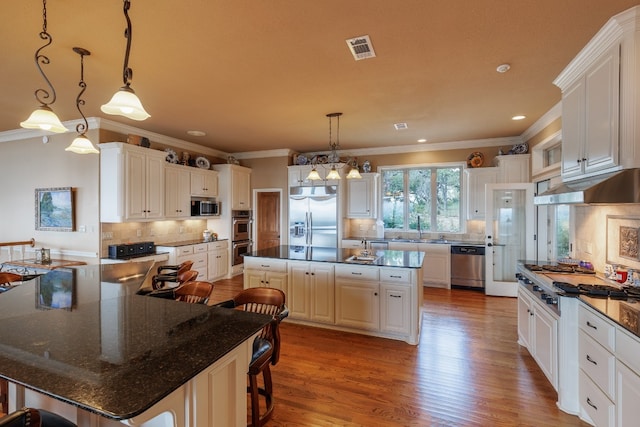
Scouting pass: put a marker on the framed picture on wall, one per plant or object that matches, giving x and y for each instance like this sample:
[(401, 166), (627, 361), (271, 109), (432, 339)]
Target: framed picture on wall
[(55, 209)]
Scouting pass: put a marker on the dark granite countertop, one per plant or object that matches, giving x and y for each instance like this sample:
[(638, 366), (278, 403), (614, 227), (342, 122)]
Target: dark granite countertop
[(385, 258), (187, 242), (109, 350), (429, 241), (624, 312)]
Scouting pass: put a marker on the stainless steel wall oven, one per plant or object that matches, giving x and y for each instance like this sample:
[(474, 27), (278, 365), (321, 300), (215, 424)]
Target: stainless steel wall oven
[(241, 243)]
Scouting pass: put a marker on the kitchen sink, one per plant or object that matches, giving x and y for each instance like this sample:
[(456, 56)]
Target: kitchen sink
[(443, 241), (362, 259)]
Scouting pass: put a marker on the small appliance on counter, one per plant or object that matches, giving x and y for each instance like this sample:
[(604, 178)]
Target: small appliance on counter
[(131, 250)]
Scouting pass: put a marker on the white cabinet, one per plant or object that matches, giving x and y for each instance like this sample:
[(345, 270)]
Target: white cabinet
[(362, 196), (475, 180), (357, 297), (513, 168), (177, 179), (234, 187), (627, 378), (395, 301), (217, 259), (436, 270), (538, 331), (266, 272), (204, 183), (590, 118), (311, 291), (131, 183), (597, 362)]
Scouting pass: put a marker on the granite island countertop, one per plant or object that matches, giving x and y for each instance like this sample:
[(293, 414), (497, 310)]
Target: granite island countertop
[(109, 350), (384, 258)]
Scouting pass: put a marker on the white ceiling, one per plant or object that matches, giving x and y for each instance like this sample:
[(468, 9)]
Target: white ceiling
[(260, 75)]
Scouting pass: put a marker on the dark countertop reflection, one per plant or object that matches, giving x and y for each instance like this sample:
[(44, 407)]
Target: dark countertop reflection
[(384, 258), (85, 337)]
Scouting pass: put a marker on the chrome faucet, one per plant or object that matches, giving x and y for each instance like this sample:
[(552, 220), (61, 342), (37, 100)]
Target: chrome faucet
[(364, 251), (419, 228)]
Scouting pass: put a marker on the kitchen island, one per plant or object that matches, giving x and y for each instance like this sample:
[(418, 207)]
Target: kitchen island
[(82, 343), (378, 293)]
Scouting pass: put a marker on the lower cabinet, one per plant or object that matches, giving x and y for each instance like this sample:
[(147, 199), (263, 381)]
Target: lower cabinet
[(538, 332), (218, 260), (270, 273), (311, 291), (436, 270), (628, 392), (379, 301)]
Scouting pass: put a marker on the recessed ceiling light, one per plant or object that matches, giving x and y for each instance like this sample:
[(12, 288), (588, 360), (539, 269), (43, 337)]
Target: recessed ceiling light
[(196, 133), (422, 140), (520, 117), (503, 68)]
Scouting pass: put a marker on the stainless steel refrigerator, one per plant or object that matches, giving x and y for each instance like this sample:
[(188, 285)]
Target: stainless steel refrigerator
[(313, 216)]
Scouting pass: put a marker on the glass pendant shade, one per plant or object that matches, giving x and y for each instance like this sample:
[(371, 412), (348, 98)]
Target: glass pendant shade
[(82, 145), (354, 173), (125, 103), (45, 119), (313, 175), (333, 174)]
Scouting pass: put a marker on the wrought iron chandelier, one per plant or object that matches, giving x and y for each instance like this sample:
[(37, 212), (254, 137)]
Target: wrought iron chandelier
[(125, 102), (43, 117), (81, 144)]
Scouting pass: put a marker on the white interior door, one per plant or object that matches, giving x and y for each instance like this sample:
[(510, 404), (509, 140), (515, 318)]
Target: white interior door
[(509, 235)]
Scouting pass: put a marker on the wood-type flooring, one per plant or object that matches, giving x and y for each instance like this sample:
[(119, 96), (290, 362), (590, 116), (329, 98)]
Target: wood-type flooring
[(468, 370)]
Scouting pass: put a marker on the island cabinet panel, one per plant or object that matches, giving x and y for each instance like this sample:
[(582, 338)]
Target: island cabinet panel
[(311, 291), (358, 296), (265, 272), (395, 301)]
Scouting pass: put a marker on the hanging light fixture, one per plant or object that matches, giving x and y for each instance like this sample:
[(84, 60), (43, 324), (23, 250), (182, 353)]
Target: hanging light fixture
[(354, 173), (334, 157), (81, 144), (125, 102), (43, 117)]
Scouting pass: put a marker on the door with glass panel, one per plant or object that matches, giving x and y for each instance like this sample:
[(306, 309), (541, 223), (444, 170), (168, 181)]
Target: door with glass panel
[(509, 235)]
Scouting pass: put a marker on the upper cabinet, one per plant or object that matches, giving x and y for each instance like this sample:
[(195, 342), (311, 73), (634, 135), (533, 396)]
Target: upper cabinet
[(234, 186), (177, 202), (204, 183), (131, 183), (513, 168), (600, 101), (362, 197), (475, 181), (590, 118)]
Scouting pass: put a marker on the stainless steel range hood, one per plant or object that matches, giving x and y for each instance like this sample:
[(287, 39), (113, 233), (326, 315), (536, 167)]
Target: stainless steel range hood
[(617, 187)]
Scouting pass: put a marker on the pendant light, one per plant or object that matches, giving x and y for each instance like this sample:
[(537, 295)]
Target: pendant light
[(125, 102), (354, 173), (81, 144), (43, 117)]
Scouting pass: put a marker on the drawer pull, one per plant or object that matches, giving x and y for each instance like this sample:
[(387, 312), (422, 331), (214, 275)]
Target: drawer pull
[(356, 274), (265, 266), (591, 360), (395, 296), (591, 404), (589, 324), (396, 277)]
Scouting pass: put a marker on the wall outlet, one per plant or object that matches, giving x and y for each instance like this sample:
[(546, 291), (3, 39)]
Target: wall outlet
[(139, 232), (107, 235), (82, 229), (152, 232), (362, 227), (181, 230)]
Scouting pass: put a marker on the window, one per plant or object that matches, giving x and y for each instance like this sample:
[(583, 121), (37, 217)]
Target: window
[(430, 195)]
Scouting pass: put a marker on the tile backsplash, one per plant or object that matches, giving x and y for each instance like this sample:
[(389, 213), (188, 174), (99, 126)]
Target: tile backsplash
[(157, 231)]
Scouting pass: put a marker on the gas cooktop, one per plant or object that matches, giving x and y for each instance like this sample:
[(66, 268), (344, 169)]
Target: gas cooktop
[(558, 268), (598, 290)]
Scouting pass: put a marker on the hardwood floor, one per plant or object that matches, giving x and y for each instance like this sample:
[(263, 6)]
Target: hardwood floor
[(468, 370)]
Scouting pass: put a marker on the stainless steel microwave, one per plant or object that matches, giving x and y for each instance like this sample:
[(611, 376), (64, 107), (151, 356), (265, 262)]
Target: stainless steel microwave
[(205, 208)]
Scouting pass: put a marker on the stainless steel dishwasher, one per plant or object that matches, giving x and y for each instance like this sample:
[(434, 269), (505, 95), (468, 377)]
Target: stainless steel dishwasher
[(467, 266)]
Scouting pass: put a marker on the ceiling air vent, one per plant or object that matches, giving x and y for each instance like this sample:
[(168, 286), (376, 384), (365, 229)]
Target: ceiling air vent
[(361, 48), (400, 126)]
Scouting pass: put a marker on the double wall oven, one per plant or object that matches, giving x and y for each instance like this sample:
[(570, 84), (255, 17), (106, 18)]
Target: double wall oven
[(241, 232)]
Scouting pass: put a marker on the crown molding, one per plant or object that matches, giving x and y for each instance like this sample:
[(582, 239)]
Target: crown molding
[(159, 138), (547, 118), (284, 152)]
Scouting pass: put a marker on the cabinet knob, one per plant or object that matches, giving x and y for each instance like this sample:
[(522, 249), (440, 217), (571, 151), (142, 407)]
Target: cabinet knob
[(375, 294)]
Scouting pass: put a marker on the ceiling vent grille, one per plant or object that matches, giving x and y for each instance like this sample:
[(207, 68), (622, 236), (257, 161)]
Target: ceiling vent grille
[(361, 48), (400, 126)]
